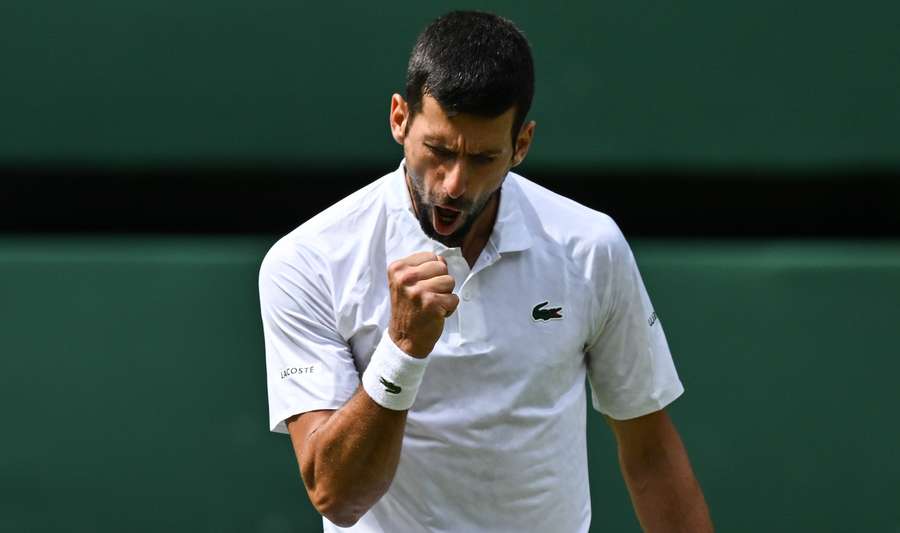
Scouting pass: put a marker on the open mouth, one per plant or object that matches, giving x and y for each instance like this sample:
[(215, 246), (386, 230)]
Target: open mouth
[(446, 219)]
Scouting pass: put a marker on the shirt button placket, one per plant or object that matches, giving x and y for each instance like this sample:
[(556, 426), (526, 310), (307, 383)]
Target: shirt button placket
[(459, 270)]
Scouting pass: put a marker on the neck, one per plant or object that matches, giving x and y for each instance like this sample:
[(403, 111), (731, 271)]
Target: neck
[(475, 241)]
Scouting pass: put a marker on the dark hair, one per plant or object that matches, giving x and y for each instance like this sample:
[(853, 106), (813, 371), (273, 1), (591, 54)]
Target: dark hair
[(472, 62)]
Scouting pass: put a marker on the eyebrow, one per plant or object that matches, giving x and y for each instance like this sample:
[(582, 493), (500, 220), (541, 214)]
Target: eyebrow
[(440, 144)]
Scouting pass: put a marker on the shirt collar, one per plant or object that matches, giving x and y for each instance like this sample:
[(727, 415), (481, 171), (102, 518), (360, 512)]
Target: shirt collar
[(511, 232)]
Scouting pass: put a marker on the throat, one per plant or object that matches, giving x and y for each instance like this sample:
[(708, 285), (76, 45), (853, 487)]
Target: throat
[(477, 238)]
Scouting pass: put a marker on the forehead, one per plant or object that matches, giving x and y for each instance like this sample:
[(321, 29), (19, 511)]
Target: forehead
[(475, 132)]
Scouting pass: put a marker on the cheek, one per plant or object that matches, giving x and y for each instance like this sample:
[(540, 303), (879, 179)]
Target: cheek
[(422, 176), (423, 165), (490, 181)]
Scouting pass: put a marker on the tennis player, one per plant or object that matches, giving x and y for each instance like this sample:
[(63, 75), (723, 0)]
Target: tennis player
[(428, 337)]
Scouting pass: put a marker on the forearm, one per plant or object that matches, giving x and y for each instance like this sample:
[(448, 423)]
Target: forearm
[(349, 461), (664, 491)]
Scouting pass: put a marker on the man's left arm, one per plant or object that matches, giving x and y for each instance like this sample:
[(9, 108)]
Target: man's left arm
[(655, 466)]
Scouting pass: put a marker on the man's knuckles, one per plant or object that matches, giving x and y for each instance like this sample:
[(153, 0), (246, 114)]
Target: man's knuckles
[(407, 275), (431, 269), (442, 305), (442, 284), (419, 294)]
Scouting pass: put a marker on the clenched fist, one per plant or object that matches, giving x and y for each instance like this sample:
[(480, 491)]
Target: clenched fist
[(421, 298)]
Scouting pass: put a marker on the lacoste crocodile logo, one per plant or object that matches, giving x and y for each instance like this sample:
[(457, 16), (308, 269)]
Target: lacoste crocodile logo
[(392, 388), (539, 313)]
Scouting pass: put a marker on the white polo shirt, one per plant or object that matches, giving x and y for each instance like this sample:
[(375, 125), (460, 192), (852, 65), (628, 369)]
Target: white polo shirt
[(496, 438)]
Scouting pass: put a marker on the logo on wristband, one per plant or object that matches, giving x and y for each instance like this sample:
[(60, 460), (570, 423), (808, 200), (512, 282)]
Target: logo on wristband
[(392, 388)]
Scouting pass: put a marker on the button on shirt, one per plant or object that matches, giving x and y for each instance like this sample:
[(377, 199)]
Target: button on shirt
[(496, 438)]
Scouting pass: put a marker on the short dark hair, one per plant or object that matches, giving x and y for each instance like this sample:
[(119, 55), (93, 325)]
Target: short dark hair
[(472, 62)]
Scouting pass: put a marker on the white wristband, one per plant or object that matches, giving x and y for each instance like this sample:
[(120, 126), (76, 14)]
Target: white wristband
[(393, 376)]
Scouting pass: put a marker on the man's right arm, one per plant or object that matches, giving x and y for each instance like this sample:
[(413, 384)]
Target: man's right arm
[(348, 457)]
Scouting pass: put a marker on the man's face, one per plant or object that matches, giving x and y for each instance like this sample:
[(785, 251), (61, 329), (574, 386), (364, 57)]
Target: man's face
[(454, 164)]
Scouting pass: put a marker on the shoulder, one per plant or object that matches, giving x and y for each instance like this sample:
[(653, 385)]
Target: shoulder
[(346, 222), (583, 232), (337, 230), (319, 250)]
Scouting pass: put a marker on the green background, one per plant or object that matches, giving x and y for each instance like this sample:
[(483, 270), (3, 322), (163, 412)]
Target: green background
[(132, 386), (132, 379), (704, 83)]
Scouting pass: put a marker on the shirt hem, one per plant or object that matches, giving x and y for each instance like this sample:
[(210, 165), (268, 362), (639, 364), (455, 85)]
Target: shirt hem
[(277, 422), (664, 400)]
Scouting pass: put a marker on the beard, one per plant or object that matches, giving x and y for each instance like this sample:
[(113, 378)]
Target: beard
[(424, 207)]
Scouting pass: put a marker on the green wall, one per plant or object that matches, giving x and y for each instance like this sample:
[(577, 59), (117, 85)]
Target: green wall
[(133, 396), (704, 84)]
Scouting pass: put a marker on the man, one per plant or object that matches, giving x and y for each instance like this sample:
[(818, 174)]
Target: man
[(428, 337)]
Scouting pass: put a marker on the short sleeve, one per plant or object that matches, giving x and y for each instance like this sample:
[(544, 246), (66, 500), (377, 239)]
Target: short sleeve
[(630, 368), (309, 365)]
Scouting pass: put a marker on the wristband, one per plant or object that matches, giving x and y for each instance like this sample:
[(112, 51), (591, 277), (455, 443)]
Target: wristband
[(393, 376)]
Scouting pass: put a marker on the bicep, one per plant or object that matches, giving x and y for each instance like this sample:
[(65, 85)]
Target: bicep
[(642, 431), (646, 442)]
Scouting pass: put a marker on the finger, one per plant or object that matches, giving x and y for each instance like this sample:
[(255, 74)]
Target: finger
[(439, 284), (418, 258), (430, 269), (448, 302)]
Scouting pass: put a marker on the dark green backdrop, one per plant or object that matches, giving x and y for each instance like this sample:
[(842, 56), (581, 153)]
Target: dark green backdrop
[(704, 83), (133, 394), (132, 384)]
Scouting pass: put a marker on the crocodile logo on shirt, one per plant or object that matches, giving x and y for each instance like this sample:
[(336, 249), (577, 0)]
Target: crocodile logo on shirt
[(392, 388), (539, 313)]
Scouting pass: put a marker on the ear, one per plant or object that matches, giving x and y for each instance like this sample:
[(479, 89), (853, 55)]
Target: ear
[(523, 142), (398, 117)]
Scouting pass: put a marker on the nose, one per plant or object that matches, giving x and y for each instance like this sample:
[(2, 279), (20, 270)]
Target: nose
[(455, 180)]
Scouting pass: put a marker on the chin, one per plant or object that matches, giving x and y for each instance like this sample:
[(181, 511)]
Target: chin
[(450, 241), (454, 240)]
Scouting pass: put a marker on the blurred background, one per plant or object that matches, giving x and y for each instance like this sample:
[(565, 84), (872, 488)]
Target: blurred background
[(151, 152)]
